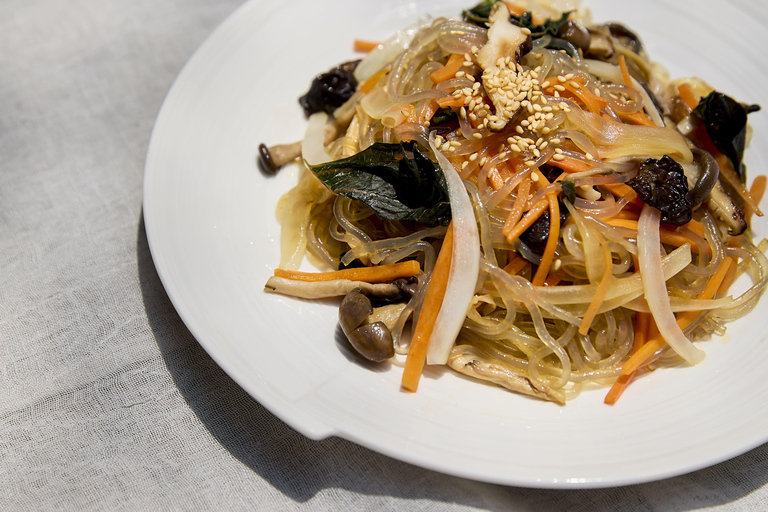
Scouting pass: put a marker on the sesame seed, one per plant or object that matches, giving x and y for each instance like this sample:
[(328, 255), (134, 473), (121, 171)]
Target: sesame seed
[(530, 163), (455, 143), (463, 112), (483, 160), (569, 76), (459, 74), (525, 31), (558, 156), (445, 146), (559, 87), (514, 148), (477, 135), (536, 153), (473, 116), (598, 93), (467, 56), (464, 164), (474, 49), (519, 129), (473, 157), (557, 264), (575, 84), (558, 150), (525, 122), (467, 63), (545, 130), (544, 144), (589, 156), (561, 79), (545, 84), (452, 149)]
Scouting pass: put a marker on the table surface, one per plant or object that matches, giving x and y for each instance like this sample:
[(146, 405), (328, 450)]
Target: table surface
[(106, 399)]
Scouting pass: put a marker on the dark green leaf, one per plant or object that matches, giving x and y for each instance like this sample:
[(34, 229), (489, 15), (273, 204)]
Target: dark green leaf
[(479, 16), (395, 180), (569, 189), (726, 122), (479, 13), (548, 27)]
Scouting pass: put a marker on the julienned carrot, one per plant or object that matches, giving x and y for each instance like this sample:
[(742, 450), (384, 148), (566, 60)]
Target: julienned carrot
[(730, 277), (684, 319), (376, 274), (638, 117), (516, 264), (687, 95), (364, 46), (570, 164), (523, 190), (625, 72), (621, 190), (455, 61), (369, 84), (757, 190), (576, 89), (599, 297), (642, 322), (530, 217), (433, 299), (450, 101), (554, 234), (515, 9)]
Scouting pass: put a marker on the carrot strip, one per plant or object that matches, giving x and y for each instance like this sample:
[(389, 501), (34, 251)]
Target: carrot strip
[(638, 117), (450, 101), (530, 217), (686, 94), (570, 164), (625, 71), (369, 84), (363, 46), (599, 296), (621, 190), (515, 9), (642, 325), (376, 274), (430, 307), (684, 319), (455, 61), (757, 190), (523, 190), (516, 264), (555, 278), (554, 234), (730, 276)]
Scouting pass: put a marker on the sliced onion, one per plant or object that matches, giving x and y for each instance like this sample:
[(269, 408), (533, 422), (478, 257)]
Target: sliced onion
[(465, 266), (655, 287), (312, 148)]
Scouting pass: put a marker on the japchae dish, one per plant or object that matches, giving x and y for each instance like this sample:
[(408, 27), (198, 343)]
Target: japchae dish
[(524, 196)]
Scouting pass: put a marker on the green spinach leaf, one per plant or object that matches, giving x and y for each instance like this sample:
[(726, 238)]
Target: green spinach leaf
[(396, 181)]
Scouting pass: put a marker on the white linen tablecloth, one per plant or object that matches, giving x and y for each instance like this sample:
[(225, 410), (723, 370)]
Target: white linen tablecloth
[(106, 400)]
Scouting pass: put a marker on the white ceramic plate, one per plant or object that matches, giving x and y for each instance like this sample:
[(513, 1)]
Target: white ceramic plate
[(209, 217)]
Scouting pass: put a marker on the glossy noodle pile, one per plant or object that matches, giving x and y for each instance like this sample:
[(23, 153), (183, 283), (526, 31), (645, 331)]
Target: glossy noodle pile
[(524, 196)]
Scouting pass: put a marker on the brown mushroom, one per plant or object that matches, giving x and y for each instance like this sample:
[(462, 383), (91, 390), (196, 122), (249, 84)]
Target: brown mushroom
[(372, 341)]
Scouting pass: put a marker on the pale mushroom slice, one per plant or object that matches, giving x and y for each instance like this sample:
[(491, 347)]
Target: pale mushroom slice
[(325, 289), (473, 366)]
